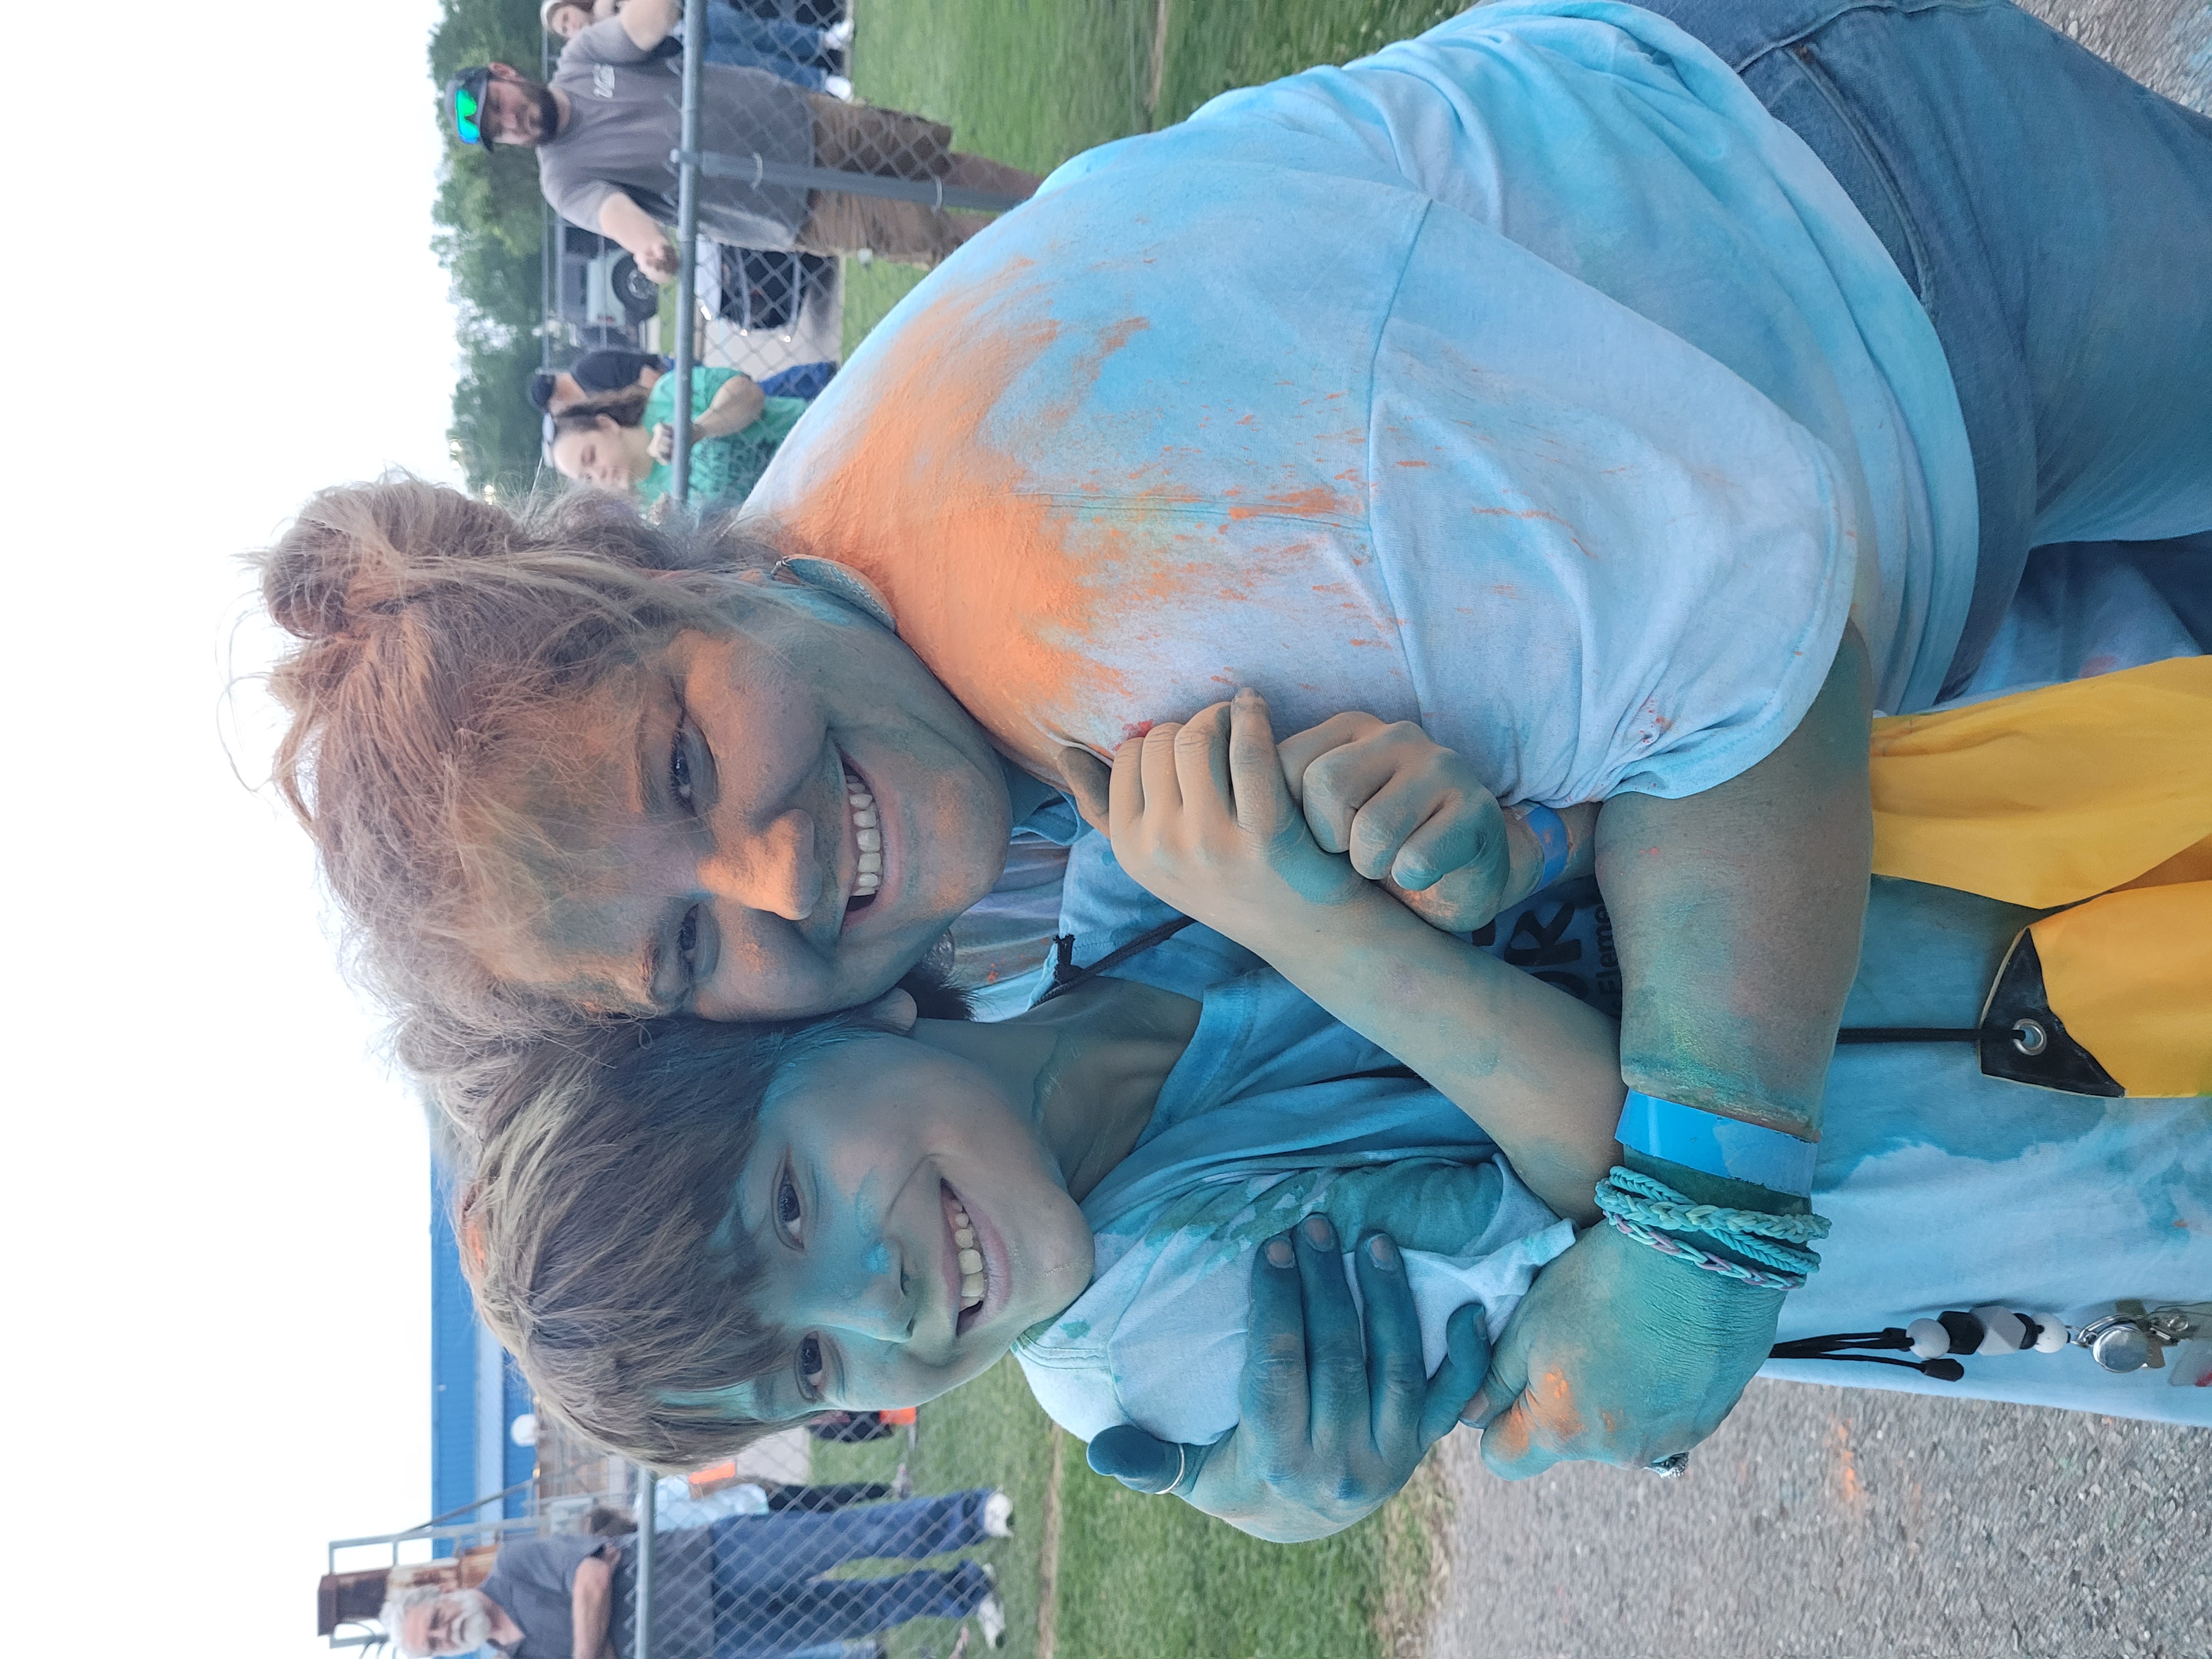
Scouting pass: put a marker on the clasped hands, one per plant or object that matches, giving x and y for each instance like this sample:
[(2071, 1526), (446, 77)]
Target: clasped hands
[(1617, 1354)]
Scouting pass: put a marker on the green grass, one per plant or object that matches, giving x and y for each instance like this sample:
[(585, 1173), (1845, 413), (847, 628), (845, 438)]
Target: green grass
[(1154, 1576), (1035, 82), (1150, 1577), (989, 1433)]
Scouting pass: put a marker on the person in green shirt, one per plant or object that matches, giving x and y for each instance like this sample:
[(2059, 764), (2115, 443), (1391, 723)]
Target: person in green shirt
[(735, 430)]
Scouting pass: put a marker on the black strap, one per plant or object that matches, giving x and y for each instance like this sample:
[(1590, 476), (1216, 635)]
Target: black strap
[(1066, 975), (1917, 1034)]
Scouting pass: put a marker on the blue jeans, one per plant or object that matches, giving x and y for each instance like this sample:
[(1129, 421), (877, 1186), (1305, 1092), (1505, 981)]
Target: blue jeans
[(788, 50), (768, 1594), (800, 381), (780, 1622), (2053, 217)]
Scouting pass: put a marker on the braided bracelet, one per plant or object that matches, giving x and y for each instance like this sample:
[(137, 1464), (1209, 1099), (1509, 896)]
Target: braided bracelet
[(1637, 1205)]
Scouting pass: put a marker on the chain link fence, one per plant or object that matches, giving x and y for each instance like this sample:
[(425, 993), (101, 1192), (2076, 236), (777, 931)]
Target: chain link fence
[(777, 174), (767, 1556)]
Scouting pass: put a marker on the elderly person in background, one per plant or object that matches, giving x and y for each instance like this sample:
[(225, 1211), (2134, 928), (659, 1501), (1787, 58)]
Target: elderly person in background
[(547, 1598), (744, 1584)]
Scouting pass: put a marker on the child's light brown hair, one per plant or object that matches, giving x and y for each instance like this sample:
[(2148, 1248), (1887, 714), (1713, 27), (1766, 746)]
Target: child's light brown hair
[(598, 1228)]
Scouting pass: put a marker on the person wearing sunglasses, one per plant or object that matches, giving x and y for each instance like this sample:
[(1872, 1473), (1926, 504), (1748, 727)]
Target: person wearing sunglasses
[(605, 125)]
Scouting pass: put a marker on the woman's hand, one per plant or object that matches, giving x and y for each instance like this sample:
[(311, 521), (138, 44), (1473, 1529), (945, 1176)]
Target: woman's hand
[(1199, 817), (1619, 1355), (662, 444), (1331, 1427)]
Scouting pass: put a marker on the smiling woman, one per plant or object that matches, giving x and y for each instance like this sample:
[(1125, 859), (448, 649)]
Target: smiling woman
[(566, 760)]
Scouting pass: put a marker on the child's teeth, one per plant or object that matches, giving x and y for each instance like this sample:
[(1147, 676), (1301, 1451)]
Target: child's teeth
[(965, 1237), (864, 817), (868, 881), (872, 864), (870, 841), (971, 1263), (971, 1291)]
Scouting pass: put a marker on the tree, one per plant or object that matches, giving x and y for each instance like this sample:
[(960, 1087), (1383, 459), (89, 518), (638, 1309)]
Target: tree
[(490, 237)]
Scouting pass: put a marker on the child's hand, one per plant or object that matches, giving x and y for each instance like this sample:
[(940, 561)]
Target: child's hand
[(1201, 816), (1413, 816)]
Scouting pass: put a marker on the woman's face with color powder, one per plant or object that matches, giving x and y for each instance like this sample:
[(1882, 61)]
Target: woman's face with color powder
[(912, 1223), (778, 820)]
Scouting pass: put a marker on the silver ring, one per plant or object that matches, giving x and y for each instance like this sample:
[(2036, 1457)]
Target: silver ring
[(1670, 1467)]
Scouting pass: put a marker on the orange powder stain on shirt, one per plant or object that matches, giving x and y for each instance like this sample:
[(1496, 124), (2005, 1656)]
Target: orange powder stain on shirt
[(912, 494), (1060, 568)]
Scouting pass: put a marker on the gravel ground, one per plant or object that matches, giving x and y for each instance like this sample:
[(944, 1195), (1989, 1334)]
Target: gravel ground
[(2165, 43), (1842, 1521), (1839, 1523)]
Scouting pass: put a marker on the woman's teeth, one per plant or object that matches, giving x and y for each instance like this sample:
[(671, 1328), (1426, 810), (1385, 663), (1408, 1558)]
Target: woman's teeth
[(868, 835), (972, 1282)]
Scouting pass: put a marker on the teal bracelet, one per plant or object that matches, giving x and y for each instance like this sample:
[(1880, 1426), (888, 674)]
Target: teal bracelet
[(1641, 1208)]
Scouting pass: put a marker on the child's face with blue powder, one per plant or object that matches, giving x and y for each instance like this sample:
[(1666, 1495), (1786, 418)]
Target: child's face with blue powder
[(913, 1223)]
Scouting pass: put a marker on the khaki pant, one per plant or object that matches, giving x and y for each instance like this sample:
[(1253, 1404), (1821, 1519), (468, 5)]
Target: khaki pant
[(890, 143)]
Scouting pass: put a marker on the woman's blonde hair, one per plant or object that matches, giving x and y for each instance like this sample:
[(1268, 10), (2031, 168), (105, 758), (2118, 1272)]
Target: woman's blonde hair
[(437, 634)]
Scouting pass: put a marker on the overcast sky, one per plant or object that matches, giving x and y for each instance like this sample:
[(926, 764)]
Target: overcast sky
[(221, 297)]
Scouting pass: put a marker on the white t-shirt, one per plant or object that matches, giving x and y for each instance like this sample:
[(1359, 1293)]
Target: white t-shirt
[(1528, 380)]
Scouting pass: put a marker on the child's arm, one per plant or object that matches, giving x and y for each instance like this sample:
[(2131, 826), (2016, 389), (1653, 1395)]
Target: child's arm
[(1410, 814), (1199, 814)]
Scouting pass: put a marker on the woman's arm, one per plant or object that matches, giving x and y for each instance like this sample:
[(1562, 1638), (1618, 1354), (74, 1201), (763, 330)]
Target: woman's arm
[(1201, 817), (736, 404)]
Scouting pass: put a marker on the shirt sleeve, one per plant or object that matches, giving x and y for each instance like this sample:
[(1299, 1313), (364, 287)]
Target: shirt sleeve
[(549, 1563), (574, 196), (705, 383), (604, 43)]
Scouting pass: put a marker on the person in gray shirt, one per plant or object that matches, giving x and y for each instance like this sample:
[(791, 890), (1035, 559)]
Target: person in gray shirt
[(604, 129)]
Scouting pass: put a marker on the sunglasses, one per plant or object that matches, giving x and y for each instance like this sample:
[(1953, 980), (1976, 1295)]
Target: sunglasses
[(465, 112)]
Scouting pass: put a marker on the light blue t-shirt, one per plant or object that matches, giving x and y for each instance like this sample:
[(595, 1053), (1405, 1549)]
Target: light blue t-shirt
[(1526, 380), (1275, 1111), (1947, 1188)]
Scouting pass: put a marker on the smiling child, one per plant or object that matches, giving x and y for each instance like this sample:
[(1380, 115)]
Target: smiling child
[(689, 1233)]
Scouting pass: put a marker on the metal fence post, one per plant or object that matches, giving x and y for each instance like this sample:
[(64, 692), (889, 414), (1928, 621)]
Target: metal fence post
[(758, 170), (687, 303), (641, 1641)]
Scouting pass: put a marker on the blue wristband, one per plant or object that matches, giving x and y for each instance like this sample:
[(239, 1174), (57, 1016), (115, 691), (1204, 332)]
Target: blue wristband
[(1550, 831), (1717, 1145)]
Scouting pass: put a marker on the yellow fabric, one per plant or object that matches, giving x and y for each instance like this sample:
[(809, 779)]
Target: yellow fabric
[(2190, 864), (2130, 974), (2048, 797)]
